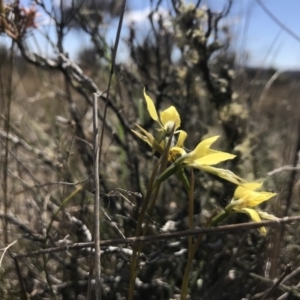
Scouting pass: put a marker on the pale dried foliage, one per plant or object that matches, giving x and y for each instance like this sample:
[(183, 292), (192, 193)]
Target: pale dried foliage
[(46, 153)]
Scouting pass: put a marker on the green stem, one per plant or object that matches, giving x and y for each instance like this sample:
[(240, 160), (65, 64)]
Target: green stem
[(150, 210), (184, 179), (191, 248), (137, 248), (165, 175), (185, 282), (218, 218), (187, 270), (191, 208)]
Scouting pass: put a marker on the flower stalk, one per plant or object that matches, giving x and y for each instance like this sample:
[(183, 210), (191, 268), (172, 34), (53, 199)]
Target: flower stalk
[(174, 160)]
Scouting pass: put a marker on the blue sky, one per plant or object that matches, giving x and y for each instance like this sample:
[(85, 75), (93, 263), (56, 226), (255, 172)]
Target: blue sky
[(265, 41), (254, 32)]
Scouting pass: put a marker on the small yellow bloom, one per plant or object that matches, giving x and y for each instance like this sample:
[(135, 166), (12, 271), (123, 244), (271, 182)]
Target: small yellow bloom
[(167, 119), (203, 158), (246, 198)]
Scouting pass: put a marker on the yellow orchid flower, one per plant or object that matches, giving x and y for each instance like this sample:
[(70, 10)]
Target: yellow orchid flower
[(203, 158), (167, 119), (246, 198), (159, 147)]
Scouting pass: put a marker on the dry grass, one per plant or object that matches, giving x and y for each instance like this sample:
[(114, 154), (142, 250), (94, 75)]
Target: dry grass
[(49, 184)]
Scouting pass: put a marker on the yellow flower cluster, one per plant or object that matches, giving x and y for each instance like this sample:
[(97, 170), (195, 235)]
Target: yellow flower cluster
[(246, 196)]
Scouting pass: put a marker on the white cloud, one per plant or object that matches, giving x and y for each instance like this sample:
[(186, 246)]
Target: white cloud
[(141, 16)]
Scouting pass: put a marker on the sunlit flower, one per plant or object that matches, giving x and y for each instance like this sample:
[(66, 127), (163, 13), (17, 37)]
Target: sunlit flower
[(167, 119), (147, 137), (203, 158), (246, 198)]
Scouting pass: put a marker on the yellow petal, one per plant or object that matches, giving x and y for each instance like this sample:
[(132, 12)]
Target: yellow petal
[(223, 173), (151, 108), (170, 115), (248, 186), (252, 186), (213, 159), (266, 216), (181, 138), (201, 149), (253, 199), (254, 216), (252, 213)]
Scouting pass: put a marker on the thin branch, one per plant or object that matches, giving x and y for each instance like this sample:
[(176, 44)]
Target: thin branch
[(277, 21), (282, 169), (23, 289), (53, 183), (24, 228), (5, 249), (286, 272), (281, 286), (97, 197), (292, 178), (7, 109), (51, 161), (113, 223), (111, 74), (268, 85), (165, 236), (97, 156)]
